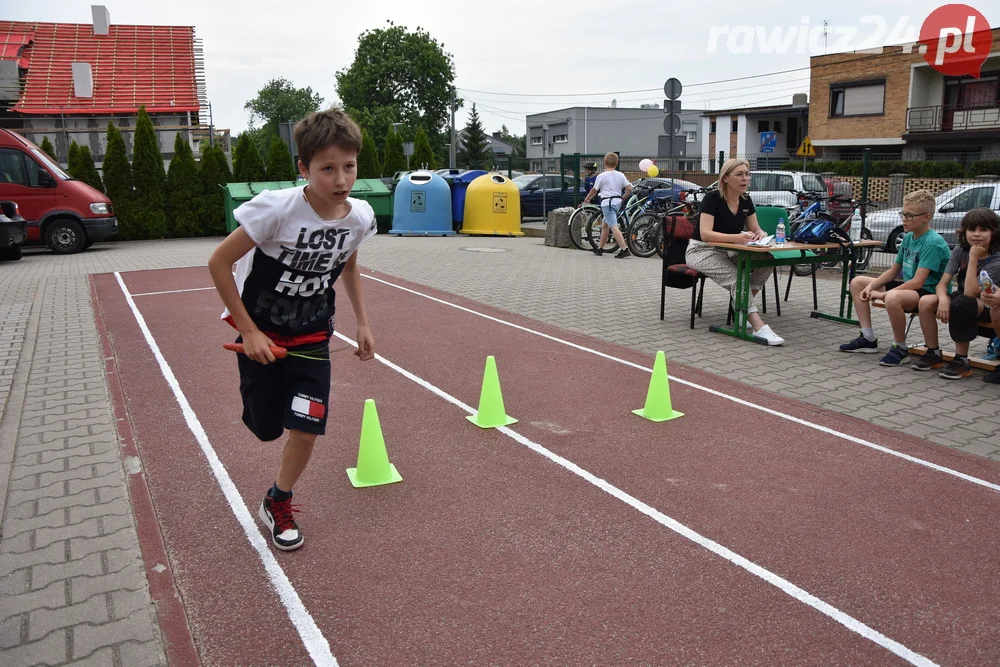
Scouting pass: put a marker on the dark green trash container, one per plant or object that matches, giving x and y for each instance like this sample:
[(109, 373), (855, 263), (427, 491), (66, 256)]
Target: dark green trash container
[(371, 190)]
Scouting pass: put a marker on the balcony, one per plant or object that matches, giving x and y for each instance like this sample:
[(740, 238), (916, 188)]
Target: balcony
[(953, 118)]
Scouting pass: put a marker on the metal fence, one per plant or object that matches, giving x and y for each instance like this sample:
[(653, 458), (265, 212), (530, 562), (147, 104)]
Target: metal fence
[(959, 183)]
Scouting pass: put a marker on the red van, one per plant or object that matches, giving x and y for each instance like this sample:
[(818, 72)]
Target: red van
[(65, 214)]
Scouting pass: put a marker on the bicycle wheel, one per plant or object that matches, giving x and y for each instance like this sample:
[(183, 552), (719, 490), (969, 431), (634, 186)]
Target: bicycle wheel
[(594, 234), (864, 254), (644, 235), (578, 225)]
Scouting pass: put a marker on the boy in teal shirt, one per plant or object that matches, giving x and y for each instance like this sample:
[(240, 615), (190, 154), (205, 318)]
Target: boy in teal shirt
[(919, 264)]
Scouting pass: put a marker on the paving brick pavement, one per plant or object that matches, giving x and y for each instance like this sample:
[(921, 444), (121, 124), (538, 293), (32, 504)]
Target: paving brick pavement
[(72, 581)]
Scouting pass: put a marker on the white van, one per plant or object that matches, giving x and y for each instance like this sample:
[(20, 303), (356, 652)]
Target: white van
[(772, 188)]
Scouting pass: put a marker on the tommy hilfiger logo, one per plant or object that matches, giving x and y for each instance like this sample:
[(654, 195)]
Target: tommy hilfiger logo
[(309, 407)]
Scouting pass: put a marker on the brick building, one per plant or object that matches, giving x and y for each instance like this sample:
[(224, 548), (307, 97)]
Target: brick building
[(895, 103), (67, 81)]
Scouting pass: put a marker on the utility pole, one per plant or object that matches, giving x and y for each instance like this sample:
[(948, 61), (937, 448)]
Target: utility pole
[(451, 149)]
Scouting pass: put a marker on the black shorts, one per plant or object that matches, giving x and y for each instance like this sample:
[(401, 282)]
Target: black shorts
[(290, 393), (896, 283), (963, 320)]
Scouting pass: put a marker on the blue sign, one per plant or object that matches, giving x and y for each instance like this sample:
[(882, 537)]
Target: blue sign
[(768, 141)]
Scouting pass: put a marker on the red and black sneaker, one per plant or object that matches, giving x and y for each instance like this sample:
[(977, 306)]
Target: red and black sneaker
[(277, 515)]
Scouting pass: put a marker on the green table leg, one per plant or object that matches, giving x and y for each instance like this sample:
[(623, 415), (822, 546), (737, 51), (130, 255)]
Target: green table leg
[(847, 269), (741, 301)]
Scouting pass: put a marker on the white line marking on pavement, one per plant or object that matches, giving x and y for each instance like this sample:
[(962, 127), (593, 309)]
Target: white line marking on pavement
[(784, 585), (315, 643), (174, 291), (674, 378)]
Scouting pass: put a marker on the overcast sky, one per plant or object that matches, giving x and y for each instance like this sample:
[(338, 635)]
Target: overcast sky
[(547, 53)]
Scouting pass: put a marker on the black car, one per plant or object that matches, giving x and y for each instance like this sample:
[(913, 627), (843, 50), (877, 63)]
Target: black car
[(13, 231)]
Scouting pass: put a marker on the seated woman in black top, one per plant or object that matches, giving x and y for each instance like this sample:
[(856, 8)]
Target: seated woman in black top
[(728, 216)]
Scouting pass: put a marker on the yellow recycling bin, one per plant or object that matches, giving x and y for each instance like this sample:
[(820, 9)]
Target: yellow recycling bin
[(492, 207)]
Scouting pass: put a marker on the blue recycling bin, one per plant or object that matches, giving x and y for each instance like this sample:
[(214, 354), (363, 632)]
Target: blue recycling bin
[(459, 184), (421, 205)]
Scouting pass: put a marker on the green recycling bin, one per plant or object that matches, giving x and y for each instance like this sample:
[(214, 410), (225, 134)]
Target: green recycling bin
[(237, 193), (371, 190)]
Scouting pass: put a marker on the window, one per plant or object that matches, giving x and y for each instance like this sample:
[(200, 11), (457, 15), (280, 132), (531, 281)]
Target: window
[(777, 126), (713, 127), (560, 138), (735, 126), (854, 99), (784, 182), (536, 141), (761, 182), (973, 198), (763, 126), (813, 183), (12, 167), (691, 131)]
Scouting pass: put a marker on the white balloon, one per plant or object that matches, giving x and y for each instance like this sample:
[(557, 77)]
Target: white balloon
[(645, 164)]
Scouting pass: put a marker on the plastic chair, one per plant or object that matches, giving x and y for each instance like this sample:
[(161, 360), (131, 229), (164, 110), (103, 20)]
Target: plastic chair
[(767, 218)]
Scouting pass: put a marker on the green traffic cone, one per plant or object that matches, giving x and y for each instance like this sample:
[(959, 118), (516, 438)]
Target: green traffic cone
[(491, 411), (373, 468), (658, 407)]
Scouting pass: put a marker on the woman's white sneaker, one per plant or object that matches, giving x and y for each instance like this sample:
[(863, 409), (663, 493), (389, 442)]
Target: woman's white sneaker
[(766, 334)]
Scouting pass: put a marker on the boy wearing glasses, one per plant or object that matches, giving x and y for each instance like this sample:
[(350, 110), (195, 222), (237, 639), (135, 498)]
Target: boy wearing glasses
[(919, 264)]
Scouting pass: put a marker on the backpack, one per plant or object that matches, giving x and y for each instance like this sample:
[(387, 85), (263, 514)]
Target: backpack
[(820, 231)]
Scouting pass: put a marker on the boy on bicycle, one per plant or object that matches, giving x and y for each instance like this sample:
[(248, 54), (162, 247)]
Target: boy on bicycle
[(613, 188)]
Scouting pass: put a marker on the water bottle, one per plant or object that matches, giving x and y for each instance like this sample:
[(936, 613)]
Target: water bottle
[(856, 226), (985, 283), (779, 232)]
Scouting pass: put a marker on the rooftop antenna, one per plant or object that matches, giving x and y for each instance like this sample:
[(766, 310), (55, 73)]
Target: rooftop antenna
[(825, 23)]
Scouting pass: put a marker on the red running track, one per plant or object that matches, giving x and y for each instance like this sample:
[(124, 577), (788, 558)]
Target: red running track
[(489, 552)]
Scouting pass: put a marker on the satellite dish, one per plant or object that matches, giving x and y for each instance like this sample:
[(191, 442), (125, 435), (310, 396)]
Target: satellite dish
[(614, 104)]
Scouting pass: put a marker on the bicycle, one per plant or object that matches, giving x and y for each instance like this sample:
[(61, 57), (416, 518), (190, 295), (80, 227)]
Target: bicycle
[(645, 237), (815, 212), (638, 204)]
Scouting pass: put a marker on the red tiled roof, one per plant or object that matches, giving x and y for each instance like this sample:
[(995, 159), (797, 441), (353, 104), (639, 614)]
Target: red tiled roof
[(132, 65)]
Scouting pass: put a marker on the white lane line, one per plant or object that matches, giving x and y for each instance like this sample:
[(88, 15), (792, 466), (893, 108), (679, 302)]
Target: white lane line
[(315, 643), (175, 291), (782, 584), (674, 378)]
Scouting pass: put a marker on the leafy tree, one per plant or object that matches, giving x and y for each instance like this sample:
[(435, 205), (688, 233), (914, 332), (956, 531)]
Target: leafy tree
[(88, 170), (368, 162), (395, 159), (184, 190), (475, 151), (118, 181), (423, 154), (279, 162), (214, 173), (278, 102), (73, 161), (48, 149), (247, 165), (398, 76), (149, 213)]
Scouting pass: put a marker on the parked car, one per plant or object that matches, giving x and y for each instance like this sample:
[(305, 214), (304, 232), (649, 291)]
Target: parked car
[(661, 183), (532, 187), (65, 214), (949, 209), (13, 231), (773, 188)]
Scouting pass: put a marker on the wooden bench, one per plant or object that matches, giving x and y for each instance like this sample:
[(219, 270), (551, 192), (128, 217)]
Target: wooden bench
[(977, 362)]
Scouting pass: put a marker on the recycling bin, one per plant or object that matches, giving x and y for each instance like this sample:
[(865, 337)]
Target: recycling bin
[(492, 207), (422, 205), (459, 184)]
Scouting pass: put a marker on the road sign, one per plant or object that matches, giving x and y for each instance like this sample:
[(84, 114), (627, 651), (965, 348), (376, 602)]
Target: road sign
[(672, 88), (671, 106), (768, 142), (671, 124), (806, 149)]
